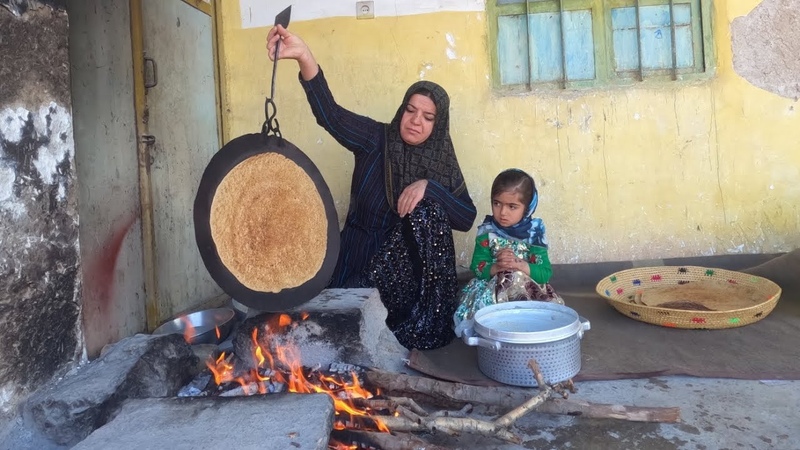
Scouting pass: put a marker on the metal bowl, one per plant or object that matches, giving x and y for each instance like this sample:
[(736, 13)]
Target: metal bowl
[(201, 327)]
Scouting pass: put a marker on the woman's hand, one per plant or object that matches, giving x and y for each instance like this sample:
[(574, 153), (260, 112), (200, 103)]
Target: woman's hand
[(292, 47), (410, 196)]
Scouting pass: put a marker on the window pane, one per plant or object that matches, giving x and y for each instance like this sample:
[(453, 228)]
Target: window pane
[(683, 35), (545, 55), (544, 60), (656, 37), (626, 40), (512, 49), (579, 44)]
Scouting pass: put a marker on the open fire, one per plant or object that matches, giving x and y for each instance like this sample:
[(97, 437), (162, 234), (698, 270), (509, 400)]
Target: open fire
[(279, 368)]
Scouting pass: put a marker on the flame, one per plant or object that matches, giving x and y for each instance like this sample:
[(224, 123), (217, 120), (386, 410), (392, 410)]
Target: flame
[(188, 329), (221, 368), (216, 330), (283, 364)]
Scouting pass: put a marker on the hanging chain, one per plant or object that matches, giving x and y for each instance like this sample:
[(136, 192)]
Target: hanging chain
[(271, 125)]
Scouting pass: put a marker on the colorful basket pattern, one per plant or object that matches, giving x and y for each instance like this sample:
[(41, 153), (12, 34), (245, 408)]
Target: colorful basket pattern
[(621, 288)]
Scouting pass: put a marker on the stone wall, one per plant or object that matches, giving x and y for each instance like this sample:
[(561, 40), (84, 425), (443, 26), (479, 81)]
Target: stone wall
[(766, 43), (39, 254)]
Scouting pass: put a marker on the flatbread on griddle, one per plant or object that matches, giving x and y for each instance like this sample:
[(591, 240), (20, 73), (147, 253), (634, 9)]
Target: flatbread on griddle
[(268, 223), (704, 295)]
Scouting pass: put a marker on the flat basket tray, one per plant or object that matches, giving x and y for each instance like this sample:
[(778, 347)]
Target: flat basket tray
[(689, 296)]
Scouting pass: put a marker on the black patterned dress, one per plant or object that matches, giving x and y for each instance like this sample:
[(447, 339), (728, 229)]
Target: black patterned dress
[(383, 167)]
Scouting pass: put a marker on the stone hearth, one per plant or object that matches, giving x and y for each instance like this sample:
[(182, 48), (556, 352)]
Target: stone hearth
[(127, 397)]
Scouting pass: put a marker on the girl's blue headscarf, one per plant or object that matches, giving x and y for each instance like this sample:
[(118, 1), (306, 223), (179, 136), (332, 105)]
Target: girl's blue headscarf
[(529, 230)]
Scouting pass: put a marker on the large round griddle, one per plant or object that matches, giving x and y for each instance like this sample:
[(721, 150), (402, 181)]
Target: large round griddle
[(228, 157)]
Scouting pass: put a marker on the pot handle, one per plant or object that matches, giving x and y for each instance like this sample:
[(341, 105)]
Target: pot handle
[(585, 326), (473, 341)]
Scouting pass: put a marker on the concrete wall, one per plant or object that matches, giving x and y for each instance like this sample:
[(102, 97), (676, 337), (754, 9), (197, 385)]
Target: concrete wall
[(107, 168), (648, 171), (39, 257)]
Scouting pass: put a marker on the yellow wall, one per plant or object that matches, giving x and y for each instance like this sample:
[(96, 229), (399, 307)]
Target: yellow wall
[(650, 171)]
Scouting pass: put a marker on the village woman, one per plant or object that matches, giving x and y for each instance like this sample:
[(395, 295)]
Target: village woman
[(407, 194)]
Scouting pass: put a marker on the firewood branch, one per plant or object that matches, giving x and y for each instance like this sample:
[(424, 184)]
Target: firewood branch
[(545, 392), (451, 425), (449, 395), (391, 403), (460, 413)]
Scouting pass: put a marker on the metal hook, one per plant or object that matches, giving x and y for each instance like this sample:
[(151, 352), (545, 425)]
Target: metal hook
[(271, 125), (270, 110)]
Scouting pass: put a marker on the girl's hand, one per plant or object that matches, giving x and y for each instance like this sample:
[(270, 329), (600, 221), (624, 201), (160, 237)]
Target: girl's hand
[(410, 196), (507, 260), (505, 254), (292, 47)]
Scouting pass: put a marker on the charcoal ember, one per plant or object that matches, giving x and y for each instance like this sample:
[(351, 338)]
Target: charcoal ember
[(198, 387), (344, 368), (246, 389)]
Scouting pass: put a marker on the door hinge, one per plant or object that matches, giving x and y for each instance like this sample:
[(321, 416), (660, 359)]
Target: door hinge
[(149, 141)]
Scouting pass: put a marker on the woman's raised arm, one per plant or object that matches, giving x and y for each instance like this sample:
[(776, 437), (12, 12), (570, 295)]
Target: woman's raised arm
[(292, 47)]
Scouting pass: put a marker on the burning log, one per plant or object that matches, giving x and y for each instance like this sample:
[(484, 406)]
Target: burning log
[(444, 394)]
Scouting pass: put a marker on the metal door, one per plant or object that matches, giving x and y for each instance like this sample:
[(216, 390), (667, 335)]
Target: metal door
[(179, 133)]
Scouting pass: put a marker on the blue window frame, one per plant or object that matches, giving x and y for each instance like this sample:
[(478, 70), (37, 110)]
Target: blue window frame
[(579, 43)]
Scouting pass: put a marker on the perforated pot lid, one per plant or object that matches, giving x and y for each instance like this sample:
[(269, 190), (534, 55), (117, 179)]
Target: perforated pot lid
[(240, 150), (527, 322)]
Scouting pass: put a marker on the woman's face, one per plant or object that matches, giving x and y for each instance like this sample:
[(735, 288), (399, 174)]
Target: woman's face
[(416, 124), (507, 208)]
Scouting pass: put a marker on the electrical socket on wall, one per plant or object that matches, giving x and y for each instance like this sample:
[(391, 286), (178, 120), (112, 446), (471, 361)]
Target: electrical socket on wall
[(365, 10)]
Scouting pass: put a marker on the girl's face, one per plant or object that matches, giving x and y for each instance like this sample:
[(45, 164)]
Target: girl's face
[(507, 208), (416, 124)]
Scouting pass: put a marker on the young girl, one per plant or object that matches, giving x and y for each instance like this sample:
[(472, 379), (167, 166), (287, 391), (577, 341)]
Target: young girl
[(510, 260)]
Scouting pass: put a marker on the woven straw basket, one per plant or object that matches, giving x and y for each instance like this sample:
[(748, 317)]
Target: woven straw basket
[(751, 298)]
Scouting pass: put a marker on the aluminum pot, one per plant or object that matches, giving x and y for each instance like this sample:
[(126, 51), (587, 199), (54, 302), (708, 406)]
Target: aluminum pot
[(510, 334)]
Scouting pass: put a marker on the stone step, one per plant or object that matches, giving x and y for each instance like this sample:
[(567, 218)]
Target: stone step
[(277, 421)]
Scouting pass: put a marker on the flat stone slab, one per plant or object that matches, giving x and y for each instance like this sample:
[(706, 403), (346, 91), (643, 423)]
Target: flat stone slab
[(337, 326), (140, 366), (273, 421)]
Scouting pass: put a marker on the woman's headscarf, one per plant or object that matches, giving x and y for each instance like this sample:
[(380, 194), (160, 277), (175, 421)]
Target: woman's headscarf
[(529, 230), (434, 159)]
